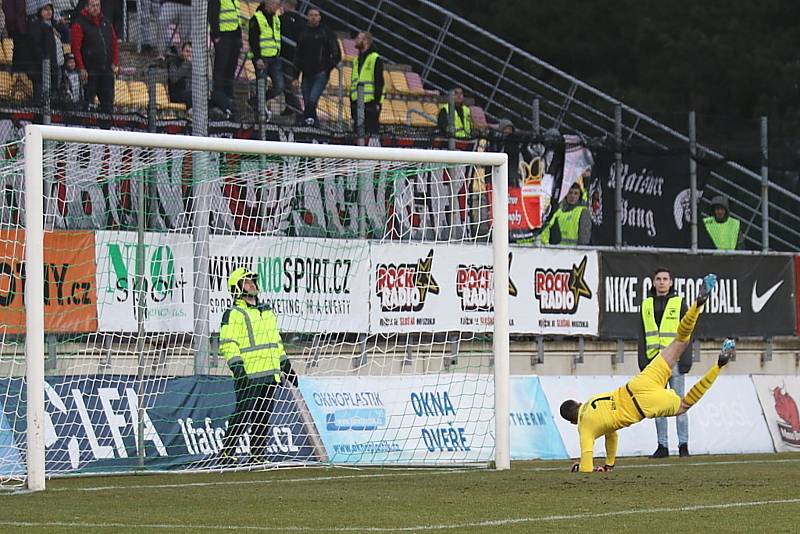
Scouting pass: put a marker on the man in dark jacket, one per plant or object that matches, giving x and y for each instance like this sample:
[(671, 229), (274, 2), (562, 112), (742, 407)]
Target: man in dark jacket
[(292, 25), (94, 43), (662, 311), (317, 54)]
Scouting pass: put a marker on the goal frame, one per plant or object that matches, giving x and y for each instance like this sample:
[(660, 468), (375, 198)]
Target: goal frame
[(35, 137)]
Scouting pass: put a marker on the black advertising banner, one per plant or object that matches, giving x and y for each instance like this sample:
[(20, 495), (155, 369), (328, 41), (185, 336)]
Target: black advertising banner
[(754, 294), (655, 200)]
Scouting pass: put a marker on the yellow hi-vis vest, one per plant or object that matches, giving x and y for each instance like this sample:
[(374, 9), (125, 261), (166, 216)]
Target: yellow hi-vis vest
[(569, 223), (365, 75), (249, 334), (228, 15), (724, 235), (463, 128), (657, 337), (269, 38)]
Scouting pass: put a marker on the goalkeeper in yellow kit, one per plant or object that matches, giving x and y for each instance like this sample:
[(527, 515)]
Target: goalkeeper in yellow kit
[(645, 395)]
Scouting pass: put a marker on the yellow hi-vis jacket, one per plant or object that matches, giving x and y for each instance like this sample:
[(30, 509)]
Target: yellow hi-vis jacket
[(365, 74), (228, 15), (657, 337), (269, 37), (724, 235), (249, 334), (463, 128)]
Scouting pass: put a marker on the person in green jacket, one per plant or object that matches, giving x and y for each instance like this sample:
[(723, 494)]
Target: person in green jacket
[(251, 344), (571, 224)]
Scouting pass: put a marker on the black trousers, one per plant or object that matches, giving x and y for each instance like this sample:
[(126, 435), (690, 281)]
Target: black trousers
[(254, 402), (372, 113), (101, 85), (226, 57)]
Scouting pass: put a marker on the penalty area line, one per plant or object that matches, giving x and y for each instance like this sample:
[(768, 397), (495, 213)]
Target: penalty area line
[(489, 523), (676, 464)]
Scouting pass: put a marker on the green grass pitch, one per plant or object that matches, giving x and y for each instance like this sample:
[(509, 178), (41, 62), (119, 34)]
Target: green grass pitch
[(743, 493)]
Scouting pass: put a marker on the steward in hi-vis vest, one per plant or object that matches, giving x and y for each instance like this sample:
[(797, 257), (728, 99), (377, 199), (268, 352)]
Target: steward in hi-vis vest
[(251, 344), (722, 229), (571, 224), (462, 118), (368, 73)]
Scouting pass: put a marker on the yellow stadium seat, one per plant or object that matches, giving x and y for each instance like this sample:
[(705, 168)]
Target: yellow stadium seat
[(122, 96), (6, 85), (399, 82), (138, 93), (431, 108), (6, 51), (247, 9), (400, 108), (416, 114), (23, 88), (388, 87), (387, 113)]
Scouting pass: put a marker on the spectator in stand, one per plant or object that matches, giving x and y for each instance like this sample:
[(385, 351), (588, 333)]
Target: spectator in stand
[(149, 11), (45, 44), (226, 33), (17, 28), (179, 76), (292, 25), (179, 13), (63, 11), (722, 231), (462, 118), (96, 49), (71, 86), (367, 72), (316, 56), (265, 44), (113, 11), (571, 224), (505, 140)]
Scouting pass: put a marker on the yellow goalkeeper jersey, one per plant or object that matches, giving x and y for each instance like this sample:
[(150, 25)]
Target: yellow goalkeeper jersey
[(603, 415)]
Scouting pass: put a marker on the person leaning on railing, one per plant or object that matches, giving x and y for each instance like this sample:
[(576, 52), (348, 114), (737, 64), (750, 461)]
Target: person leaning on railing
[(571, 224)]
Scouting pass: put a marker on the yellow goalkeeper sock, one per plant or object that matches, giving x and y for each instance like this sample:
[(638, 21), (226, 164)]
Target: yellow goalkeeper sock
[(688, 322), (699, 389)]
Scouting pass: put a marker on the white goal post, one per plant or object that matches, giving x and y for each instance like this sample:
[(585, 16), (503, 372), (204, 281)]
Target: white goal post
[(36, 142)]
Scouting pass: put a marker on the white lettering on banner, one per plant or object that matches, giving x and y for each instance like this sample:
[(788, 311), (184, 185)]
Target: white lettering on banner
[(346, 398), (621, 294), (642, 183), (115, 421)]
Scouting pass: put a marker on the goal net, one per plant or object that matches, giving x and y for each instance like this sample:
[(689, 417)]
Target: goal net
[(374, 335)]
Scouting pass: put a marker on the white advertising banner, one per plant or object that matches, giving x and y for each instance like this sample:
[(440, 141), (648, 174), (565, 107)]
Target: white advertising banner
[(554, 291), (413, 288), (727, 420), (313, 285), (403, 419), (168, 282), (779, 396)]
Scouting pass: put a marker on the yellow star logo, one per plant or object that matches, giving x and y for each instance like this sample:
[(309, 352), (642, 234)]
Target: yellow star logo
[(577, 284), (423, 278)]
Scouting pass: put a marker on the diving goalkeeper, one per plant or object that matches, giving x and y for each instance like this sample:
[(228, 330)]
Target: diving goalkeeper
[(645, 395)]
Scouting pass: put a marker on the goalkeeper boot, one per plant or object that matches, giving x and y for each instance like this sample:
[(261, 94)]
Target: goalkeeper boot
[(728, 351), (709, 283)]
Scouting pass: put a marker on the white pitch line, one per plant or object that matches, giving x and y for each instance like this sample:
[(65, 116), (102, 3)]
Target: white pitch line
[(434, 472), (265, 481), (476, 524)]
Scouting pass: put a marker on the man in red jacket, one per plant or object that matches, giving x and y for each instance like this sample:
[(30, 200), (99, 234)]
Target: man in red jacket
[(94, 43)]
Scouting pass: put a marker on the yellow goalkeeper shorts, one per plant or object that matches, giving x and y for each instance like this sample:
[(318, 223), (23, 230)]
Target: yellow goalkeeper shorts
[(649, 389)]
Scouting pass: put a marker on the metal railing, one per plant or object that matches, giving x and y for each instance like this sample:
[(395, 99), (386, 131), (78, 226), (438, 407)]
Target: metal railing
[(511, 83)]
